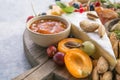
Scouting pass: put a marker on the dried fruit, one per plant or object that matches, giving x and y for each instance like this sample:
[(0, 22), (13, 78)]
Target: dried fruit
[(88, 47), (102, 65), (92, 16), (51, 50), (59, 58), (101, 31), (117, 68), (88, 27), (78, 63), (56, 10), (107, 76), (95, 75)]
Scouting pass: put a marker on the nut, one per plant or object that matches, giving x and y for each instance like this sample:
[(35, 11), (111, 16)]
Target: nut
[(102, 65), (117, 68), (94, 63), (92, 16), (95, 75), (101, 31), (88, 27), (115, 43), (117, 77), (107, 75)]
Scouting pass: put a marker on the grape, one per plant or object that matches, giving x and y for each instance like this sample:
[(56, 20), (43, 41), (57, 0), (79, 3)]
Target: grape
[(51, 50), (30, 17), (88, 47), (59, 58)]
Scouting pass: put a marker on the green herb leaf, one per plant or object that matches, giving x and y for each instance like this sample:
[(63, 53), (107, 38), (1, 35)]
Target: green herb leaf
[(92, 0), (65, 8), (103, 1), (118, 14), (69, 9), (60, 4), (117, 33)]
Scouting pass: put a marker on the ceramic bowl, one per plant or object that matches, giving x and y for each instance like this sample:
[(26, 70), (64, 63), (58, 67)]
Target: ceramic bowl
[(46, 40)]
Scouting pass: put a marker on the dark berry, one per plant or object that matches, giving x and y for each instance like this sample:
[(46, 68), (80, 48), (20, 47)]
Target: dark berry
[(30, 17), (43, 13), (76, 5), (92, 7), (57, 0)]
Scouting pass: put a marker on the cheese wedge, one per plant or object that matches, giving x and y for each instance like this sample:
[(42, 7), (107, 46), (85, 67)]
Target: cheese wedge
[(103, 45)]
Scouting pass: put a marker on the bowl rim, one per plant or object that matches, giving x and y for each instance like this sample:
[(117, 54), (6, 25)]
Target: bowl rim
[(39, 17)]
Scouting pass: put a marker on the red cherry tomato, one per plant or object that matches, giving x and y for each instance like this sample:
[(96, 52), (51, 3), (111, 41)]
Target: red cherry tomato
[(81, 10), (76, 10)]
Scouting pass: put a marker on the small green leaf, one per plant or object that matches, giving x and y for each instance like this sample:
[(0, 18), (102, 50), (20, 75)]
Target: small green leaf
[(92, 0), (117, 33), (60, 4), (69, 9), (103, 1), (65, 8)]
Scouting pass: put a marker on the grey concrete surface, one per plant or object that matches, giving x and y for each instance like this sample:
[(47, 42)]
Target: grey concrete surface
[(13, 14)]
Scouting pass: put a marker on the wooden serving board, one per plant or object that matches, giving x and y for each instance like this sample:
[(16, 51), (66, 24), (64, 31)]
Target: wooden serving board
[(43, 67)]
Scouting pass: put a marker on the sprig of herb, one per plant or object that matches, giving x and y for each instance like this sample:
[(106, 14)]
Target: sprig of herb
[(117, 33), (65, 8), (118, 14)]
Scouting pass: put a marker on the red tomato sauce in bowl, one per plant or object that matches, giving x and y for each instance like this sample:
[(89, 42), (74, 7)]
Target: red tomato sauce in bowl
[(47, 26)]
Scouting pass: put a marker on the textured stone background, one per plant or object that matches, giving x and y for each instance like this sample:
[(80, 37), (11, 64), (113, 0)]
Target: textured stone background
[(13, 14)]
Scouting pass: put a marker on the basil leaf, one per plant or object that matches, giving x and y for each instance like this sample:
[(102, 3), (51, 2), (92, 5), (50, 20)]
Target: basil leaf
[(92, 0), (117, 33), (65, 8), (69, 9), (60, 4), (103, 1)]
